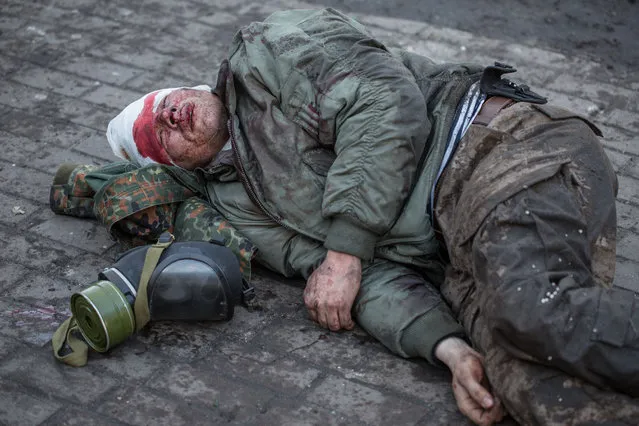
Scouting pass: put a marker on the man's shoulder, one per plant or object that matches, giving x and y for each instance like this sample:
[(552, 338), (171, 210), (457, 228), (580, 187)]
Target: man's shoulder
[(298, 24)]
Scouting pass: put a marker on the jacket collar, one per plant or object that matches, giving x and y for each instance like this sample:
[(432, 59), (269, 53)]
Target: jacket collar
[(224, 87)]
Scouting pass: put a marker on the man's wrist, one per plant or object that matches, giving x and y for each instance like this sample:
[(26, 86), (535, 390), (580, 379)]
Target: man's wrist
[(450, 350), (341, 257)]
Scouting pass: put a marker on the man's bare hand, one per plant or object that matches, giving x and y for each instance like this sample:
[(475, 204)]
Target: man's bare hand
[(469, 384), (331, 290)]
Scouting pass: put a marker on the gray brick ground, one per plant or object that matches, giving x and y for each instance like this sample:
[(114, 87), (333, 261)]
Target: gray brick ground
[(66, 68)]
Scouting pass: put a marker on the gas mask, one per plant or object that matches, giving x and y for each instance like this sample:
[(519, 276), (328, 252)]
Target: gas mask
[(192, 280)]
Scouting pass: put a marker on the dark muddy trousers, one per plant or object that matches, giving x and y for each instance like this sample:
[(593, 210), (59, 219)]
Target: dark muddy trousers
[(531, 268)]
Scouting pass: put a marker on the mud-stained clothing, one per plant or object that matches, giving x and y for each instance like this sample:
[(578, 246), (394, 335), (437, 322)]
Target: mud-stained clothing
[(336, 145), (527, 210)]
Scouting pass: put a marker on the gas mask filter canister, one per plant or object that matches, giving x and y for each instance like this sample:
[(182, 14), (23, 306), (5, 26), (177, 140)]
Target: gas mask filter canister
[(193, 280)]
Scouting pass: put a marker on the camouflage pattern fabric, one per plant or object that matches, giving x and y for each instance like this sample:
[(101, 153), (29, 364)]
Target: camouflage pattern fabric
[(139, 205), (197, 220), (145, 226), (70, 194)]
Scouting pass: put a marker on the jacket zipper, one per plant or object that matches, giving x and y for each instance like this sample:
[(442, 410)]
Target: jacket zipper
[(245, 182)]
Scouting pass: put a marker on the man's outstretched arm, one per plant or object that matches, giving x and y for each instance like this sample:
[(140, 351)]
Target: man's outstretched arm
[(329, 296)]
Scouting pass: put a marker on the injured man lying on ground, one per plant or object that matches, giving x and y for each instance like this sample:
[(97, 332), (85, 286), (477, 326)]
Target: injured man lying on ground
[(452, 214)]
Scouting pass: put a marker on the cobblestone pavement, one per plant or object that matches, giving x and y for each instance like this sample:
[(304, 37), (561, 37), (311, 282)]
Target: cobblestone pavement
[(68, 67)]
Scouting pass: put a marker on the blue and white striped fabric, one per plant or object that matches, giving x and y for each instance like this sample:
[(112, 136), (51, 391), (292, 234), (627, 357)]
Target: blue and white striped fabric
[(467, 110)]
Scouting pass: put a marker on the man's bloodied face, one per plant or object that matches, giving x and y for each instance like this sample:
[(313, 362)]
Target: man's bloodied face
[(191, 127)]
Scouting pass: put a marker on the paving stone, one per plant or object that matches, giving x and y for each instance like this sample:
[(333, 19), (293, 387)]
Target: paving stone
[(111, 96), (9, 65), (150, 81), (96, 146), (200, 68), (77, 111), (34, 252), (20, 96), (235, 400), (48, 56), (16, 210), (219, 18), (58, 37), (76, 4), (32, 323), (136, 405), (102, 70), (39, 288), (132, 360), (9, 345), (620, 141), (610, 95), (47, 104), (32, 185), (622, 118), (181, 341), (628, 216), (233, 348), (25, 39), (628, 245), (628, 189), (244, 325), (18, 149), (291, 413), (10, 274), (307, 340), (619, 160), (60, 133), (75, 417), (50, 157), (55, 81), (415, 378), (42, 371), (286, 376), (19, 407), (50, 13), (87, 235), (370, 405), (10, 23), (286, 337), (84, 269), (175, 47), (627, 275), (571, 103), (94, 24), (128, 51), (632, 168)]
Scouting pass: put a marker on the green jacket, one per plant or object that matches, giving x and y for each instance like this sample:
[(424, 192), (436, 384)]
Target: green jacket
[(335, 136)]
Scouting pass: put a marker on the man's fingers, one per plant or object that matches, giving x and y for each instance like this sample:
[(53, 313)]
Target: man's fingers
[(471, 381), (322, 318), (479, 394), (332, 319), (467, 405), (312, 313), (345, 318)]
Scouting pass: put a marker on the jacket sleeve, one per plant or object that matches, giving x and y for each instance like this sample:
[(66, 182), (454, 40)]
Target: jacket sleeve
[(379, 138)]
